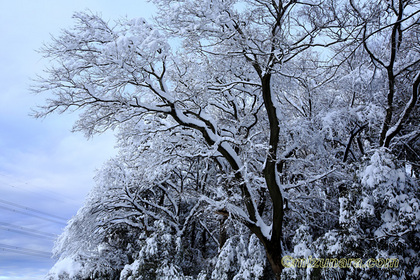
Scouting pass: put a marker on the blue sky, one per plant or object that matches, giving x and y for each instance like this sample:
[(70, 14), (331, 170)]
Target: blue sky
[(45, 170)]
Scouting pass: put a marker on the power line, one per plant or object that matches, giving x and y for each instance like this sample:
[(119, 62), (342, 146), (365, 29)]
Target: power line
[(31, 209), (26, 231), (25, 251), (33, 215), (52, 194)]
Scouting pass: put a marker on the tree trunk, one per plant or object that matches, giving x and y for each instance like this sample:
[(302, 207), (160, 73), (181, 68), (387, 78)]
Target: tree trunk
[(274, 255), (223, 232), (273, 245)]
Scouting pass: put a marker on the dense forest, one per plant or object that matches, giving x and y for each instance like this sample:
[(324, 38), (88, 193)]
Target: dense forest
[(257, 139)]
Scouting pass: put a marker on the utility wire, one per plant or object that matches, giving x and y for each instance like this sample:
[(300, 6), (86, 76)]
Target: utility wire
[(30, 214), (7, 228), (52, 235), (25, 251), (50, 194), (31, 209), (26, 233)]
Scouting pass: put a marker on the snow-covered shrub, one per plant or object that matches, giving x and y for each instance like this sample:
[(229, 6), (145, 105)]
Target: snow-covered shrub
[(379, 218), (242, 257)]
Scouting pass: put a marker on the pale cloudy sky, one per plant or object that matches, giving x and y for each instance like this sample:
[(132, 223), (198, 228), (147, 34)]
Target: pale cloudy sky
[(45, 170)]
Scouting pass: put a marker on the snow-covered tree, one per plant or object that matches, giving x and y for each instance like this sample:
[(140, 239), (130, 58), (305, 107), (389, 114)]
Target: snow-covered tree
[(134, 215), (242, 114), (378, 81)]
